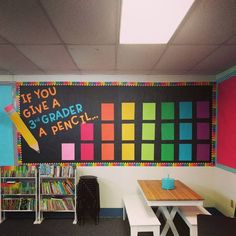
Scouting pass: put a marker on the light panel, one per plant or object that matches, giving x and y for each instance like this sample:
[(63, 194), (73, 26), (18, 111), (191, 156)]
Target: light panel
[(151, 21)]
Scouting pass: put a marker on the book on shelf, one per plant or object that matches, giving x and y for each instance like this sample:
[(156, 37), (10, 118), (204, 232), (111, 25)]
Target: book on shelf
[(57, 187), (17, 204), (57, 204), (18, 171), (56, 171), (18, 187)]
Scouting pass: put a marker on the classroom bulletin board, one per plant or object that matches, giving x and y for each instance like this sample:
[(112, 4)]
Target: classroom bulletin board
[(119, 123)]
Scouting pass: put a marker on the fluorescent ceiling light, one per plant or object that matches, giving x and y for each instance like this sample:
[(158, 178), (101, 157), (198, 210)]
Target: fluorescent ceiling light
[(151, 21)]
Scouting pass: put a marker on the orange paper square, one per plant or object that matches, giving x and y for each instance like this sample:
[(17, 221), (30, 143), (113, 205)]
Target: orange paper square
[(107, 151), (107, 111), (107, 132)]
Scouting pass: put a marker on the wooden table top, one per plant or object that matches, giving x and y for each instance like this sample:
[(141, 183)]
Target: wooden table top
[(153, 191)]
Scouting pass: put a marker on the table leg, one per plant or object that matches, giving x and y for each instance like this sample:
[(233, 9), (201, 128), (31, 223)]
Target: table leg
[(158, 212), (169, 216)]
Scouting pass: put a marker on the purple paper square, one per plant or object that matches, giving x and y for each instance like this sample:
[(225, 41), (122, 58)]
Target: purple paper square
[(203, 108), (203, 152), (203, 131)]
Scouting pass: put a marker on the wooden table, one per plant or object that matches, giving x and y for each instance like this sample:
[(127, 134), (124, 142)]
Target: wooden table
[(168, 201)]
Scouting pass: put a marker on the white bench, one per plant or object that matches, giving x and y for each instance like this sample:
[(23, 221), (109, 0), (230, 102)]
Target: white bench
[(189, 215), (141, 216)]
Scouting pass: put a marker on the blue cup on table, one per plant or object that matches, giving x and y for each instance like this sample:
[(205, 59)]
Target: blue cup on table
[(168, 183)]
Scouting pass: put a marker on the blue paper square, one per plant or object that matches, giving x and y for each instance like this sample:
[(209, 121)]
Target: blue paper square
[(185, 131), (185, 152), (185, 110)]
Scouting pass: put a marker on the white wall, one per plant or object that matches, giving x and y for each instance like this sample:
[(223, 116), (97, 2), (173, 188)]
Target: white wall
[(224, 183), (117, 181), (114, 182)]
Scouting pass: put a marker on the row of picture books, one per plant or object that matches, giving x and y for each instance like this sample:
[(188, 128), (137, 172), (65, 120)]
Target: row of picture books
[(27, 204), (47, 170), (18, 187), (50, 170), (65, 187), (57, 204), (18, 171)]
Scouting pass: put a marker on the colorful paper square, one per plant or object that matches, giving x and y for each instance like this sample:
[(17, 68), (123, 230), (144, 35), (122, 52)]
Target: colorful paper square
[(167, 111), (107, 111), (147, 152), (185, 110), (203, 109), (127, 152), (167, 131), (149, 111), (68, 151), (203, 152), (167, 152), (185, 131), (87, 131), (128, 111), (127, 132), (87, 151), (107, 132), (148, 131), (203, 130), (185, 152), (107, 151)]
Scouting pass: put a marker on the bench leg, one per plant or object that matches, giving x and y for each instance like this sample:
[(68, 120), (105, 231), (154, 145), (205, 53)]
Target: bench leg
[(124, 213), (156, 232), (193, 230), (133, 232)]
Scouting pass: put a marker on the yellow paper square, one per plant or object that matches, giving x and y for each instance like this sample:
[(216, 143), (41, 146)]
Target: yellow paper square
[(128, 132), (128, 110), (127, 152)]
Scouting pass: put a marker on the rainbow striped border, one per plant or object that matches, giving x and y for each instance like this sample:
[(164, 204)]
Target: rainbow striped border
[(138, 84)]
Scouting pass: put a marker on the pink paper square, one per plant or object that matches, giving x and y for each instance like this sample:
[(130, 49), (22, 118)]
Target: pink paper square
[(68, 151), (87, 151), (86, 131)]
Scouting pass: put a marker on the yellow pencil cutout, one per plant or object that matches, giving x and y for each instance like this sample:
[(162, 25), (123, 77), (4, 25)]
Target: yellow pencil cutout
[(22, 128)]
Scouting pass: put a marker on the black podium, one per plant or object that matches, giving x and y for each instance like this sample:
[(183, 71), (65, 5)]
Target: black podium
[(88, 199)]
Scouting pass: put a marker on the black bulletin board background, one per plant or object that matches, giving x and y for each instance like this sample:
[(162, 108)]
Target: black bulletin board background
[(91, 97)]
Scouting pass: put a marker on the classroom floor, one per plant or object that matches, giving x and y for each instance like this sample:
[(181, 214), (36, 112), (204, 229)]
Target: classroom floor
[(64, 227)]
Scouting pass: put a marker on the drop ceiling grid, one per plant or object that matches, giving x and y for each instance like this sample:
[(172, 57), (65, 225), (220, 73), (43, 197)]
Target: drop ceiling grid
[(92, 43)]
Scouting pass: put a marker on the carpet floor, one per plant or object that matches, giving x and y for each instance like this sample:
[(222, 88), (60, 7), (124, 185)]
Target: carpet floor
[(64, 227)]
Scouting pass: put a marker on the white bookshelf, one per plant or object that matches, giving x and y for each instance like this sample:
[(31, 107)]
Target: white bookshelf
[(57, 190), (18, 190)]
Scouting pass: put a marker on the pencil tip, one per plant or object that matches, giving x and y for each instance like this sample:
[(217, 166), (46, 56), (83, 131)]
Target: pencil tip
[(38, 151)]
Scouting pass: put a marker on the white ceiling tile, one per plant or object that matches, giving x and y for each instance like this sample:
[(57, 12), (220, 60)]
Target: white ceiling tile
[(182, 58), (221, 59), (49, 58), (13, 61), (94, 57), (211, 22), (2, 41), (4, 72), (232, 40), (84, 21), (138, 57), (24, 22)]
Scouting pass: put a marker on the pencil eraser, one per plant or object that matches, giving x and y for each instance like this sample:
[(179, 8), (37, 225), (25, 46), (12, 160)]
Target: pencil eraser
[(9, 108)]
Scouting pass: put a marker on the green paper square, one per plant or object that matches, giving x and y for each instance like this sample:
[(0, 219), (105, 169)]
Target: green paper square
[(167, 131), (147, 152), (149, 111), (167, 111), (167, 152), (148, 131)]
